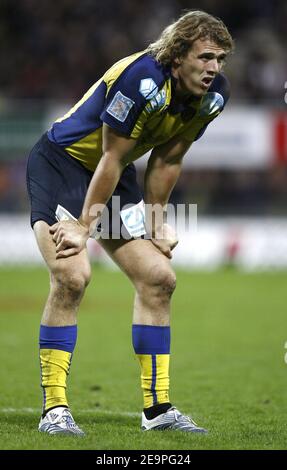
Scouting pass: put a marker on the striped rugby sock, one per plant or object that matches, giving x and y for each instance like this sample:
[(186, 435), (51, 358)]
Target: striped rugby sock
[(152, 347), (57, 344)]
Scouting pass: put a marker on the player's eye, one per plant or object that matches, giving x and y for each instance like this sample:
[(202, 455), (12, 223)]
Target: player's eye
[(206, 58)]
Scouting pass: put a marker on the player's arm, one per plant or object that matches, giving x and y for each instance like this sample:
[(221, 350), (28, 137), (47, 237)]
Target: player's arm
[(116, 149), (162, 173), (71, 237)]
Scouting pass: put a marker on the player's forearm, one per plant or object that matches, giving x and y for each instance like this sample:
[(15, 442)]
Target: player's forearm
[(164, 167), (101, 188), (160, 180)]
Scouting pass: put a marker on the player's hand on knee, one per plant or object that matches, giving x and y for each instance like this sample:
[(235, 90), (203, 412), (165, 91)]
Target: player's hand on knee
[(165, 239), (70, 238)]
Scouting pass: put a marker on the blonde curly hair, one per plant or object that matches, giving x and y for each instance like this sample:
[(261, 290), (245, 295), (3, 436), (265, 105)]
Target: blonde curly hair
[(177, 38)]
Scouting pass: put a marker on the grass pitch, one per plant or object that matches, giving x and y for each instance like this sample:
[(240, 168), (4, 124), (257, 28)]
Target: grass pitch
[(228, 335)]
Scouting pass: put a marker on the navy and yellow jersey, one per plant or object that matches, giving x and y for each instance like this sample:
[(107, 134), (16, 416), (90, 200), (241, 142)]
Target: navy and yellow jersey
[(136, 97)]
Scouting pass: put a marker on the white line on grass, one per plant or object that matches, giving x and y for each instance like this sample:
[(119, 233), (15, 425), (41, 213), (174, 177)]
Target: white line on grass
[(91, 410)]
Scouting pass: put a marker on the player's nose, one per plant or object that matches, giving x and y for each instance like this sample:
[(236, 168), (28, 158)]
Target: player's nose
[(213, 66)]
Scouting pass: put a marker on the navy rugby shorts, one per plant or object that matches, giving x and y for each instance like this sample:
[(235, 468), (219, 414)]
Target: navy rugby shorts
[(55, 178)]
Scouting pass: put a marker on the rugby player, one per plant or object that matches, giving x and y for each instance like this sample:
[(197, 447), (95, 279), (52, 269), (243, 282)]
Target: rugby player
[(160, 99)]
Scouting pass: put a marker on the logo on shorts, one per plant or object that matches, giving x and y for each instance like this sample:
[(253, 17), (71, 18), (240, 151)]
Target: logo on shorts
[(134, 219), (120, 106)]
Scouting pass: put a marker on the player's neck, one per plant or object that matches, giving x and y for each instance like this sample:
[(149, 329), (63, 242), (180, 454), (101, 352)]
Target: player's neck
[(184, 97), (180, 93)]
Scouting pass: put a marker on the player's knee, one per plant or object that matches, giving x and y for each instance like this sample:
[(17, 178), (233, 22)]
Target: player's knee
[(167, 281), (160, 278), (87, 274), (72, 283)]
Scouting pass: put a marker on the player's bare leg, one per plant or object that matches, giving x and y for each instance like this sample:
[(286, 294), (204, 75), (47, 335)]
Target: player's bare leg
[(152, 275), (154, 281), (68, 280)]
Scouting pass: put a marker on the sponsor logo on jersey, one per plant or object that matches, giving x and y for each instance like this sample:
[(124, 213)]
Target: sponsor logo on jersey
[(148, 88), (120, 106), (211, 103), (156, 102)]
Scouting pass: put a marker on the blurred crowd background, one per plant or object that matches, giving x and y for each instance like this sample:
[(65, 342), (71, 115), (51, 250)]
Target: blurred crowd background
[(52, 51)]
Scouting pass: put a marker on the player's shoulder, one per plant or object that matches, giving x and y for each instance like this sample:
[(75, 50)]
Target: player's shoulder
[(145, 73), (146, 63), (221, 85)]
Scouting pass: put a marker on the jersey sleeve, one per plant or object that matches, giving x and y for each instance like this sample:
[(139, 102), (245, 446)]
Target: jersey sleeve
[(127, 97)]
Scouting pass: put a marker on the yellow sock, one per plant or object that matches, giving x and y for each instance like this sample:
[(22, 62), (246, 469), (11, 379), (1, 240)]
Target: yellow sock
[(55, 366), (154, 378)]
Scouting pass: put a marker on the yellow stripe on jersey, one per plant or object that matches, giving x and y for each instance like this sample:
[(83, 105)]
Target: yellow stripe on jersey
[(115, 71), (151, 119), (81, 102), (136, 98), (109, 78), (88, 150)]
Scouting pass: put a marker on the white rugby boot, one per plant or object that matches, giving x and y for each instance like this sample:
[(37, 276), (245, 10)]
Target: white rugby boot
[(172, 420), (59, 421)]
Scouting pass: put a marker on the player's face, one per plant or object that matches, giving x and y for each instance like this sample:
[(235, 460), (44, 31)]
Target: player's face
[(196, 71)]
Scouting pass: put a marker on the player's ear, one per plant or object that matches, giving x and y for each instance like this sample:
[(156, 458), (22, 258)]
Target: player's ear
[(176, 61)]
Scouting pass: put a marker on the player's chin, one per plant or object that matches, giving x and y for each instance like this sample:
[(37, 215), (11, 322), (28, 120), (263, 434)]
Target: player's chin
[(203, 93), (199, 91)]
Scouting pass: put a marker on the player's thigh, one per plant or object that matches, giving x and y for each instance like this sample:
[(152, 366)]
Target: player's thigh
[(141, 261), (73, 267)]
